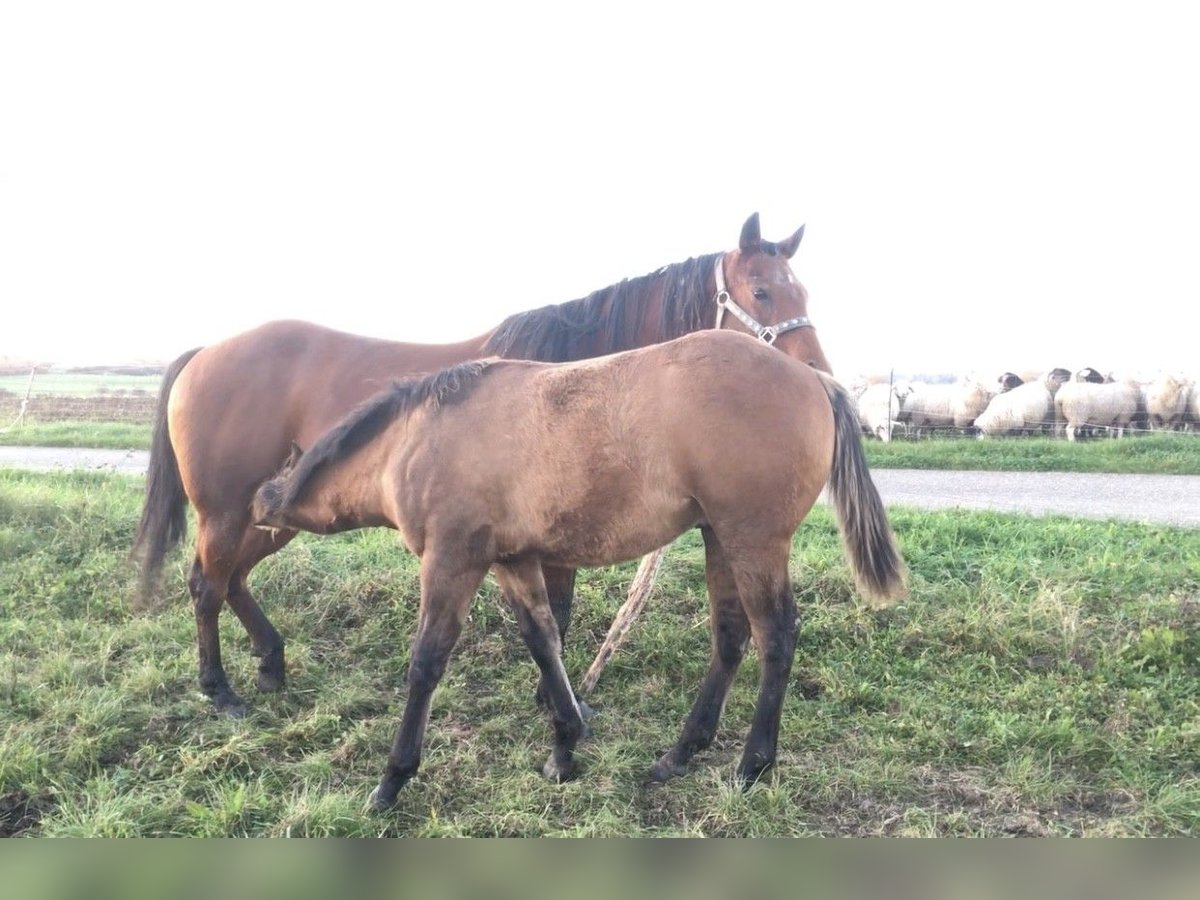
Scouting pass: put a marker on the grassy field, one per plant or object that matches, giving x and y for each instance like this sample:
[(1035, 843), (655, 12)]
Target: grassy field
[(102, 435), (79, 384), (1043, 679), (1163, 454)]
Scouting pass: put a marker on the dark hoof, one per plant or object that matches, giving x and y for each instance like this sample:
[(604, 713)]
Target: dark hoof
[(750, 775), (270, 682), (559, 772), (666, 768), (230, 704), (380, 800)]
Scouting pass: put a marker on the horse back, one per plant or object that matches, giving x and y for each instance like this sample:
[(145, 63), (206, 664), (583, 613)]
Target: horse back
[(598, 461), (238, 406)]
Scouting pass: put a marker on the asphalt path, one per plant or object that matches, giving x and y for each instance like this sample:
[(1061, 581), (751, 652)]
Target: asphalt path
[(1165, 499)]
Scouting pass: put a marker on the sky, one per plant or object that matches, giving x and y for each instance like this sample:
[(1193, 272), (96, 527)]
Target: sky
[(984, 187)]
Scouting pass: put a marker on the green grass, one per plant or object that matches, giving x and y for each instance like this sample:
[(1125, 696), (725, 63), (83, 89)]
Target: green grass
[(1156, 454), (103, 435), (1043, 678), (79, 384)]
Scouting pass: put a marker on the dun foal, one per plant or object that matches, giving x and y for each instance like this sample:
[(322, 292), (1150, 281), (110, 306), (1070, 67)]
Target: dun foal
[(511, 466)]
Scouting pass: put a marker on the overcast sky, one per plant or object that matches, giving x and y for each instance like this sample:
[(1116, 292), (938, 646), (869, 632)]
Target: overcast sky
[(997, 186)]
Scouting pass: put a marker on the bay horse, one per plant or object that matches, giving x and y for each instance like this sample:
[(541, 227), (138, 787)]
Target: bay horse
[(228, 414), (516, 466)]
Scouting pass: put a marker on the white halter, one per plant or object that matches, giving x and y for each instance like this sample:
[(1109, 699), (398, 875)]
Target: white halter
[(765, 333)]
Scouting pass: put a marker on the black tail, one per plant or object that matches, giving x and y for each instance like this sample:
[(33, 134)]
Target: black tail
[(866, 535), (164, 514)]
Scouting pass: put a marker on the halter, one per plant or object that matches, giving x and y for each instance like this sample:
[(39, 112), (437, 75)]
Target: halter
[(765, 333)]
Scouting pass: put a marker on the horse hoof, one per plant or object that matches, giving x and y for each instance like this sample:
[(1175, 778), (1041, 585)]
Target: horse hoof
[(230, 704), (380, 801), (559, 773), (270, 682), (666, 768), (750, 775)]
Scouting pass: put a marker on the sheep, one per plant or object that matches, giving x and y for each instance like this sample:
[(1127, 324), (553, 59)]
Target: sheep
[(1082, 404), (1008, 381), (945, 405), (1088, 374), (1027, 408), (878, 408), (1167, 400)]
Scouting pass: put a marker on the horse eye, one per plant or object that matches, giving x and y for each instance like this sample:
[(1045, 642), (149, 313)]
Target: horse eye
[(760, 294)]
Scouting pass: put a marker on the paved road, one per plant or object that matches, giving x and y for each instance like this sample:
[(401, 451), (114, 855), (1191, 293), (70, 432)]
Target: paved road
[(1169, 499)]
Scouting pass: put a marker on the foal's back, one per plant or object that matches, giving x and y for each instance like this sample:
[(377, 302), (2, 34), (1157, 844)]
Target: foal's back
[(600, 461)]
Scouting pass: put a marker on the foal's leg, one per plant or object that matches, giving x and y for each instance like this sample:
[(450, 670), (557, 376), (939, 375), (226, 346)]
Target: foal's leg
[(216, 553), (560, 590), (525, 588), (257, 545), (730, 634), (446, 592), (767, 598)]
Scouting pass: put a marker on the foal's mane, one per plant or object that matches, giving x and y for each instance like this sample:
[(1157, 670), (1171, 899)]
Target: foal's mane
[(370, 417), (609, 320)]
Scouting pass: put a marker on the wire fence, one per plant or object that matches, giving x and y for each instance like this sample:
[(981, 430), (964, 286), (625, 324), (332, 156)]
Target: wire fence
[(72, 396)]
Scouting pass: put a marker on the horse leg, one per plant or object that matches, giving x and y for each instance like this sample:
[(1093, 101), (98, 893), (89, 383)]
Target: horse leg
[(730, 634), (257, 545), (208, 584), (560, 589), (524, 587), (446, 593), (767, 598)]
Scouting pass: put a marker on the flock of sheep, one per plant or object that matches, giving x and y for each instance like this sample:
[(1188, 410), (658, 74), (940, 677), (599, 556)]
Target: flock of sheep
[(1080, 405)]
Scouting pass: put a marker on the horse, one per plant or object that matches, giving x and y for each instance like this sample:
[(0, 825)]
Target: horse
[(515, 466), (229, 413)]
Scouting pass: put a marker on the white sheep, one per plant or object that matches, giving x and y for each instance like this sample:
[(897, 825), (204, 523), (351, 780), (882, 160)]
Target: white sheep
[(1166, 401), (1027, 408), (1084, 404), (879, 406), (945, 405)]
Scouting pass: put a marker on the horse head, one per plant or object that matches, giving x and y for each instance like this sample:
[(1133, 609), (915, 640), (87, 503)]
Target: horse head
[(757, 292)]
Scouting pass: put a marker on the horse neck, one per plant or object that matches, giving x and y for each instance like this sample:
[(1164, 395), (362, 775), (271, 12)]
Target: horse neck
[(351, 492)]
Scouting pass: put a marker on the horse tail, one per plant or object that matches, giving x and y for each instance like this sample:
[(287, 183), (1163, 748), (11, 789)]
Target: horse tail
[(164, 513), (867, 538)]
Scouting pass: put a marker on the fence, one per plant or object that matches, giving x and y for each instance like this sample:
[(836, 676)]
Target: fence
[(72, 396)]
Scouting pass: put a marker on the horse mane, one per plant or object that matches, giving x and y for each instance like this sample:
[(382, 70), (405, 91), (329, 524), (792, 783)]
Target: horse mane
[(609, 320), (367, 420)]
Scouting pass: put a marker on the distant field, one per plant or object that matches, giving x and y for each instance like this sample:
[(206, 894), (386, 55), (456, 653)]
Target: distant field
[(69, 384), (1043, 679)]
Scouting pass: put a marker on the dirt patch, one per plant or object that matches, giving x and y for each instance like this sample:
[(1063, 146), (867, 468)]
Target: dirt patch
[(18, 814), (118, 406)]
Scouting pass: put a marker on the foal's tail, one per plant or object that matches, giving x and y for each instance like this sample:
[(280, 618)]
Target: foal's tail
[(164, 514), (867, 538)]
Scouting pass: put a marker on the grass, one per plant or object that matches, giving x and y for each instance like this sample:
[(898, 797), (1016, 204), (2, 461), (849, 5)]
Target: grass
[(1043, 679), (1158, 454), (102, 435), (1162, 454), (79, 384)]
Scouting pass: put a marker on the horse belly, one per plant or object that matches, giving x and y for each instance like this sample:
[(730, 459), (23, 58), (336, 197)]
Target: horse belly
[(610, 533)]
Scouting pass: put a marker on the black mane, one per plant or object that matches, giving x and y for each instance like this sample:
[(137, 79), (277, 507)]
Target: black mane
[(371, 416), (609, 320)]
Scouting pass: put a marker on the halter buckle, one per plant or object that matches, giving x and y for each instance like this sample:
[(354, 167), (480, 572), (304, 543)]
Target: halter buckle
[(768, 335)]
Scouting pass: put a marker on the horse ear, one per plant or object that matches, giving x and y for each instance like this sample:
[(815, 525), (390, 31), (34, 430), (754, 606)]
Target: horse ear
[(751, 236), (788, 248)]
